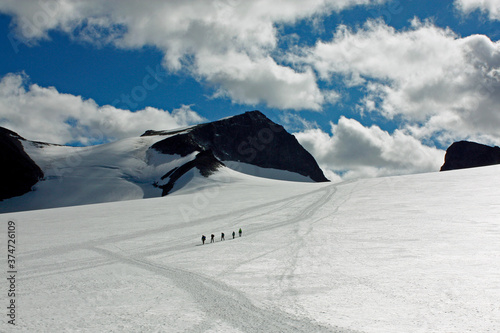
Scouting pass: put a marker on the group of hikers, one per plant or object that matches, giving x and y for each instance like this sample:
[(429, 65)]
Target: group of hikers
[(212, 237)]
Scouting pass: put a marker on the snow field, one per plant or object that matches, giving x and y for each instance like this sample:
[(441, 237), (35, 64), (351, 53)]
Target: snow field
[(122, 170), (399, 254)]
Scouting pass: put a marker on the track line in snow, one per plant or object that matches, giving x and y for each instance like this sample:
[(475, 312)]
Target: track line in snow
[(52, 270), (215, 298), (305, 213), (230, 216), (221, 301)]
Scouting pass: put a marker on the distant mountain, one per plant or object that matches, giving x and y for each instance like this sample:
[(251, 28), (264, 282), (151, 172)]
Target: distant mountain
[(18, 171), (152, 165), (249, 138), (466, 154)]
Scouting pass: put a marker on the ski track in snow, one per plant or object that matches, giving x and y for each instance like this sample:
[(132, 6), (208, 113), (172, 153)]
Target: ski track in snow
[(238, 216), (382, 255), (216, 299)]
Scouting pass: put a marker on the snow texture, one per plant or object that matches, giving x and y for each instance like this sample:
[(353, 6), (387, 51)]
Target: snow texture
[(412, 253), (123, 170)]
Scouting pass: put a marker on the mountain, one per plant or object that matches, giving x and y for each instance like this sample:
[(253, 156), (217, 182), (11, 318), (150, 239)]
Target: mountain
[(249, 138), (415, 253), (465, 154), (155, 164), (18, 171)]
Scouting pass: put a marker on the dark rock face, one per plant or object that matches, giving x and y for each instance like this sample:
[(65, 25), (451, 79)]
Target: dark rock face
[(204, 161), (250, 138), (465, 154), (18, 172)]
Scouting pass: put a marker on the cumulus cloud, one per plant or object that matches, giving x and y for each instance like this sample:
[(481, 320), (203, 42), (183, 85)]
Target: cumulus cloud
[(206, 37), (355, 151), (435, 83), (439, 83), (255, 81), (490, 7), (44, 114)]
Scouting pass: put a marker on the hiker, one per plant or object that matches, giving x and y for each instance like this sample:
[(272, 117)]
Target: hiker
[(222, 236), (203, 238), (212, 240), (234, 234), (240, 232)]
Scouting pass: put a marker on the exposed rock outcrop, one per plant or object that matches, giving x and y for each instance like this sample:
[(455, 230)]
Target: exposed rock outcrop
[(204, 161), (18, 172), (251, 138), (466, 154), (166, 160)]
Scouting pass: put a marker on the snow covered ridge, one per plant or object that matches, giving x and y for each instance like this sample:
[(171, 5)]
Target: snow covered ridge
[(412, 254), (249, 138), (157, 163)]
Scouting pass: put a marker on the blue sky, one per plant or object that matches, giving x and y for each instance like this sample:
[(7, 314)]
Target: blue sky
[(370, 88)]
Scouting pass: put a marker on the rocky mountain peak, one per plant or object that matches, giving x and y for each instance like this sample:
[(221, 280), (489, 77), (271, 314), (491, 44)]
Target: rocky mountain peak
[(18, 171), (250, 138), (466, 154)]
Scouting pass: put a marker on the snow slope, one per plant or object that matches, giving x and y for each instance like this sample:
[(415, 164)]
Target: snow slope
[(84, 175), (412, 253), (121, 170)]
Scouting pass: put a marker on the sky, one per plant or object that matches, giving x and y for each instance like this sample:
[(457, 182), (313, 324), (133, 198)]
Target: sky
[(369, 87)]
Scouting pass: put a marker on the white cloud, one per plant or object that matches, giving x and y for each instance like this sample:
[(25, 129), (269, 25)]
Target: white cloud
[(44, 114), (437, 83), (491, 7), (424, 74), (355, 151), (207, 37), (253, 81)]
